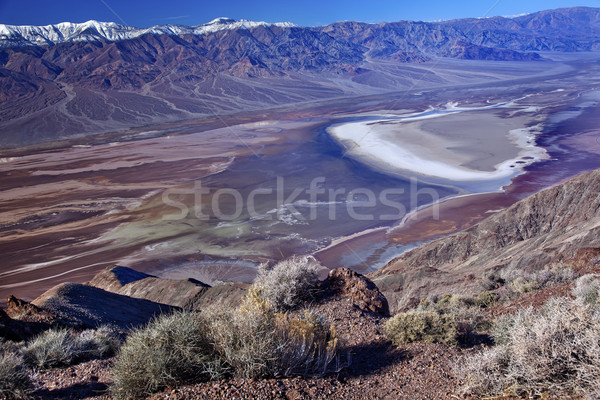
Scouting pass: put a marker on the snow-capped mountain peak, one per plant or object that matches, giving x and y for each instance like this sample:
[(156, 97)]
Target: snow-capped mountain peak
[(27, 35), (221, 21)]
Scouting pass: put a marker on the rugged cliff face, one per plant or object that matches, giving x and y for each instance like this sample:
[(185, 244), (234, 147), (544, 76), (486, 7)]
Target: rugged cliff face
[(547, 227)]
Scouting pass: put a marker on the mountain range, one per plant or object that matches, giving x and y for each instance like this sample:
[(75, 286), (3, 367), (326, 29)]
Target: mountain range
[(27, 35), (67, 80)]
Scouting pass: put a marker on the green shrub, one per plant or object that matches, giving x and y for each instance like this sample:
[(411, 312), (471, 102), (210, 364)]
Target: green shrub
[(555, 349), (427, 326), (466, 311), (256, 342), (288, 282), (521, 282), (486, 299), (525, 285), (14, 377), (56, 348), (172, 349), (253, 341), (53, 348)]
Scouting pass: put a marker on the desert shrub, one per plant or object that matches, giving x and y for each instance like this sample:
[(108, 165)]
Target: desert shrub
[(310, 345), (484, 373), (492, 280), (171, 349), (587, 289), (255, 341), (245, 338), (502, 328), (288, 282), (555, 349), (8, 346), (53, 348), (14, 377), (467, 311), (426, 326), (486, 299), (98, 343), (524, 285), (521, 282)]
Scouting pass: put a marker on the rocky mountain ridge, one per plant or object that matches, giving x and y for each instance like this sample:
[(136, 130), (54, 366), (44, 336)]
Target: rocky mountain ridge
[(48, 35), (547, 227)]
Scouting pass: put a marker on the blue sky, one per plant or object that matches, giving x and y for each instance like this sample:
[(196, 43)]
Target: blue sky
[(304, 12)]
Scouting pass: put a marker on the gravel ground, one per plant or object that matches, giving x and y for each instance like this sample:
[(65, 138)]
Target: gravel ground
[(378, 370)]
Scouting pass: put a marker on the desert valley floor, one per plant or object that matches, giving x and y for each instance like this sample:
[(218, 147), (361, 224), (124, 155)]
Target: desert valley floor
[(71, 210)]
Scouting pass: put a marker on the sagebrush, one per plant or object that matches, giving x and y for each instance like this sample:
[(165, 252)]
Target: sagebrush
[(61, 347), (427, 326), (587, 289), (288, 282), (53, 348), (257, 342), (253, 341), (15, 382), (172, 349), (555, 349), (518, 282)]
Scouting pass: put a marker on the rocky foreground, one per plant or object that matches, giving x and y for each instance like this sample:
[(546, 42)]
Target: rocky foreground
[(351, 302)]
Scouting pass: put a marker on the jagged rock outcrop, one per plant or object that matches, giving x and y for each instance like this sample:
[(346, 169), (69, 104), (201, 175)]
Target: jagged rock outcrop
[(360, 290), (24, 311), (188, 293), (22, 320), (14, 330), (545, 227)]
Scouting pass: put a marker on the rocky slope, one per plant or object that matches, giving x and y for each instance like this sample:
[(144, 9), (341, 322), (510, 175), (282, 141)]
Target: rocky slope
[(125, 298), (87, 306), (69, 79), (353, 305), (189, 293), (549, 226)]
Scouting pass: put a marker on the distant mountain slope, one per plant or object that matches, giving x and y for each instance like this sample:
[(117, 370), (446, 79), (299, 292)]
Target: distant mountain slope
[(63, 80), (553, 224)]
